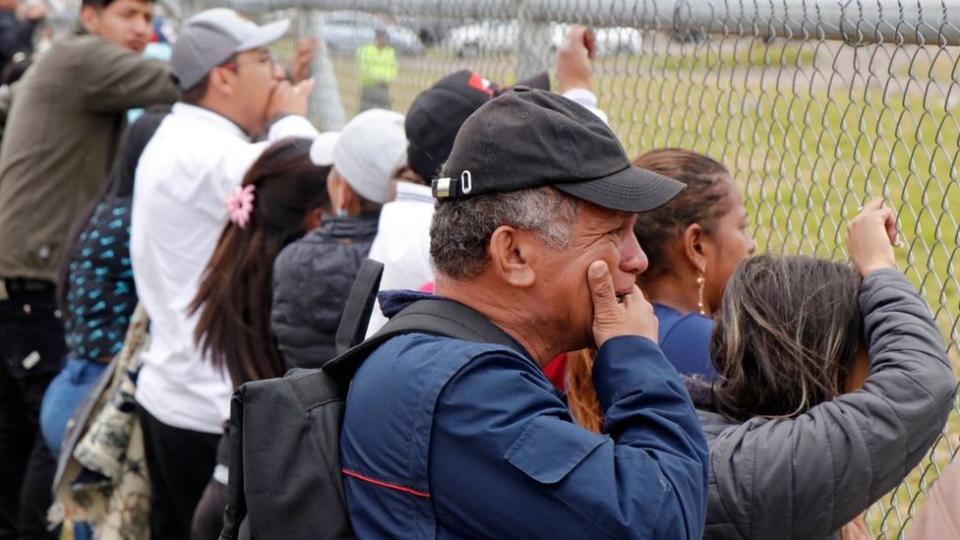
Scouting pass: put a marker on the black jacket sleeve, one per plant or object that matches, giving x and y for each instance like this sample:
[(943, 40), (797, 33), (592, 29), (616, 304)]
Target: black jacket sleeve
[(15, 35)]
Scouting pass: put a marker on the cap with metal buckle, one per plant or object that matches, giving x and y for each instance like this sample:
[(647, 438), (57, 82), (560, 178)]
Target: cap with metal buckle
[(528, 138)]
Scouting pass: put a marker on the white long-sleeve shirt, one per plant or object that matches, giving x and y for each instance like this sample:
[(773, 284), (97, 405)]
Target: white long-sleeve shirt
[(402, 244), (192, 164)]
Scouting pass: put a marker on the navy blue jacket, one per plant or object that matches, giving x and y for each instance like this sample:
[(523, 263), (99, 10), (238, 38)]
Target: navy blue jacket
[(15, 36), (444, 438)]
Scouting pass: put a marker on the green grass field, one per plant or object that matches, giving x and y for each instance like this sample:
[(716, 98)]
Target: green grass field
[(811, 131)]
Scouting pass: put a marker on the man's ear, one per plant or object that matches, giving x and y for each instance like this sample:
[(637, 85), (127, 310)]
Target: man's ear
[(90, 17), (510, 250), (348, 199), (694, 240), (220, 82), (341, 196)]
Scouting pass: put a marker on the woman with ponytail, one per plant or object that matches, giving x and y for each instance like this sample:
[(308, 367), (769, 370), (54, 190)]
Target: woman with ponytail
[(282, 197)]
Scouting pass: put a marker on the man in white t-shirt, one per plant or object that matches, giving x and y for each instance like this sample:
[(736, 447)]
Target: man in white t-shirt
[(232, 91), (402, 243)]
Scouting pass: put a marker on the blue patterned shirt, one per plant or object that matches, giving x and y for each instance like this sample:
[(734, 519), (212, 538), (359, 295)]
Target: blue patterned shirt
[(101, 295)]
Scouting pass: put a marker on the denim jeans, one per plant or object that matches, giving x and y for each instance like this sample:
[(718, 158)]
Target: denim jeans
[(65, 393)]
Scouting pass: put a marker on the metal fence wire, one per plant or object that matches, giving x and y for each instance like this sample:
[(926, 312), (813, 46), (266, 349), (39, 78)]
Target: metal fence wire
[(815, 105)]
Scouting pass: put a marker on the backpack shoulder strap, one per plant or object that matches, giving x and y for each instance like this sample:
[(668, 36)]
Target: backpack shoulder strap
[(357, 310), (439, 317)]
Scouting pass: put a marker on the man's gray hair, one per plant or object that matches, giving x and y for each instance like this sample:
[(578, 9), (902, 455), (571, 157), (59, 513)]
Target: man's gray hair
[(461, 229)]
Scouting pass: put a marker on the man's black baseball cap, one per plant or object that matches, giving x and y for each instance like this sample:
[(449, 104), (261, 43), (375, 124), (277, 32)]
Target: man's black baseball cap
[(530, 138), (436, 115)]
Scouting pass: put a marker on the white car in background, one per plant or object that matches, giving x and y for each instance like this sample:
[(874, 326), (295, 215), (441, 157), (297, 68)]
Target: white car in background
[(345, 31), (610, 39), (491, 37), (482, 38)]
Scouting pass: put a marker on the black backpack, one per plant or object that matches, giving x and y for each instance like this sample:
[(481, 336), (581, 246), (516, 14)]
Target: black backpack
[(285, 479)]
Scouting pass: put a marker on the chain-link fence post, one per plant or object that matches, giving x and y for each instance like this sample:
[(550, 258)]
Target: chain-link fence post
[(326, 109), (533, 43)]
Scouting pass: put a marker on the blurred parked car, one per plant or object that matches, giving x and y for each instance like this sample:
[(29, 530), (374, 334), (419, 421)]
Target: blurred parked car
[(610, 39), (501, 36), (345, 31), (483, 38)]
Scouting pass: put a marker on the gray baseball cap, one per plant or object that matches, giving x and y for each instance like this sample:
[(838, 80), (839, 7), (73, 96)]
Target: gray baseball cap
[(211, 37)]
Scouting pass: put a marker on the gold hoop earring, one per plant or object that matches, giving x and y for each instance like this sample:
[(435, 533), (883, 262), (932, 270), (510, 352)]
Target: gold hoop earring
[(701, 281)]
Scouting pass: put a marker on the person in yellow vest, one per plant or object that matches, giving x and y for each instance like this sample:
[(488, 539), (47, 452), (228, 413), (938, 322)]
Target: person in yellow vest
[(378, 68)]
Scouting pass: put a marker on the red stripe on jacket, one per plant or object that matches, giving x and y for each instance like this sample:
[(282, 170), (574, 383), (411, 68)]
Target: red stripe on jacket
[(388, 485)]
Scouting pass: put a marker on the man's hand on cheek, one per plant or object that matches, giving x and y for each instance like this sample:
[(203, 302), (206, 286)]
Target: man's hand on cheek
[(630, 315)]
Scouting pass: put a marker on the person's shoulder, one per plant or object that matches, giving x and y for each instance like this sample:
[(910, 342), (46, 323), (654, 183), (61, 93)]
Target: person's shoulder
[(161, 155), (730, 441), (695, 321), (84, 56), (86, 44), (489, 363), (665, 313), (110, 48), (398, 217), (98, 56), (318, 238), (421, 349), (186, 123), (311, 255), (441, 359), (297, 251), (415, 343), (183, 139), (714, 424), (685, 340), (687, 326)]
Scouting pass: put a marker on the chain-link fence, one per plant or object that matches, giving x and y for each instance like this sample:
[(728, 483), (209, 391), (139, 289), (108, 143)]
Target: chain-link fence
[(815, 105)]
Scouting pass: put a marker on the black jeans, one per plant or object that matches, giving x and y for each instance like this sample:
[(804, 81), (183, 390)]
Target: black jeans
[(180, 462), (32, 349)]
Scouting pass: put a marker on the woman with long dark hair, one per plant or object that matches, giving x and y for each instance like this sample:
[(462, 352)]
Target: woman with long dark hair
[(282, 197)]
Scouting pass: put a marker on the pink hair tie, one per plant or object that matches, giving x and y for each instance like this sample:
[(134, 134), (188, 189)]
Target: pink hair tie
[(240, 205)]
